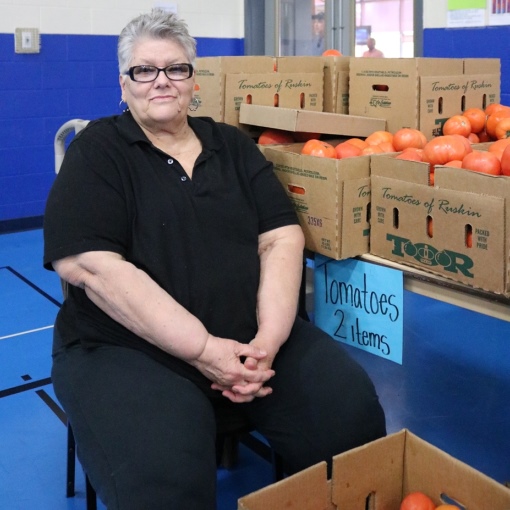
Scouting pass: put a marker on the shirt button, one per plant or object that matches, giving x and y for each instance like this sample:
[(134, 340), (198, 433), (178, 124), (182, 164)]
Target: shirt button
[(183, 178), (170, 161)]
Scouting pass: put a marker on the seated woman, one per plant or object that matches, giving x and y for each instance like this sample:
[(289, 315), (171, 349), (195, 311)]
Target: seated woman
[(184, 258)]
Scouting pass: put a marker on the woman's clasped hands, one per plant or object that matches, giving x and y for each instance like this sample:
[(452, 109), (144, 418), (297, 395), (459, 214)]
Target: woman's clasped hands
[(238, 370)]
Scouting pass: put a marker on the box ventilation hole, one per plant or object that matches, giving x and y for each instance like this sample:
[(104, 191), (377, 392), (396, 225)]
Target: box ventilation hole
[(430, 227), (440, 105), (469, 236), (370, 501), (297, 190), (395, 218)]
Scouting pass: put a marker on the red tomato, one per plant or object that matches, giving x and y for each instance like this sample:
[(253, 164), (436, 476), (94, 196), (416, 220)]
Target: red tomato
[(371, 149), (455, 163), (457, 125), (378, 137), (502, 129), (272, 136), (386, 147), (481, 161), (358, 142), (505, 161), (331, 53), (476, 117), (347, 150), (473, 138), (493, 120), (417, 501), (483, 136), (411, 154), (318, 148), (442, 149), (499, 146), (466, 142), (408, 137)]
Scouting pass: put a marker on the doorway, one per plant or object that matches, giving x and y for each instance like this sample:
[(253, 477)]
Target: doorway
[(293, 27)]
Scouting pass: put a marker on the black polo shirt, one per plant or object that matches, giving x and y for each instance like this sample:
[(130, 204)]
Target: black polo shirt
[(197, 238)]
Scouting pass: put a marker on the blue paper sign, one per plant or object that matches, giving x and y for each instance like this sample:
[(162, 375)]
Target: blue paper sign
[(360, 304)]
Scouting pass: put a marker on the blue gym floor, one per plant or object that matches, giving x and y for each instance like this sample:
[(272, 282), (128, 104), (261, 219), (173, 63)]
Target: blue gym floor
[(453, 388)]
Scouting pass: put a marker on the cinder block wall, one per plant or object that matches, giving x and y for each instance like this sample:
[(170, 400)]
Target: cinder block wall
[(75, 76)]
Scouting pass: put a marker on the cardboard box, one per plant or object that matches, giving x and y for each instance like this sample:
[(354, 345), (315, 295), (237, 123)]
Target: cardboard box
[(336, 78), (460, 202), (336, 84), (224, 83), (379, 475), (302, 91), (421, 93), (331, 197), (307, 121), (210, 76)]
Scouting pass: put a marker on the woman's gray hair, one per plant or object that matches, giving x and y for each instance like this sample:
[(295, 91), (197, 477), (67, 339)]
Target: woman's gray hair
[(158, 24)]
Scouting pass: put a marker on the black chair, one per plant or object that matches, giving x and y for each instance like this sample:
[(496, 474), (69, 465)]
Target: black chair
[(230, 434), (227, 449)]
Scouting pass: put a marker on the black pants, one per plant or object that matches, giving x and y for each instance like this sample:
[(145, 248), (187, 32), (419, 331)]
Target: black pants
[(146, 436)]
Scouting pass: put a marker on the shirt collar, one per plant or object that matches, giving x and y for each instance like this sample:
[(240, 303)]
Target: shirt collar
[(204, 127)]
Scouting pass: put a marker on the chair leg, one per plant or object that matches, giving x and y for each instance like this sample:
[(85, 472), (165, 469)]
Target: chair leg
[(90, 495), (71, 462), (278, 472)]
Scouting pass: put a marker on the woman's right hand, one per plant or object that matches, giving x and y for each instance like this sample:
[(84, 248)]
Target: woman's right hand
[(222, 362)]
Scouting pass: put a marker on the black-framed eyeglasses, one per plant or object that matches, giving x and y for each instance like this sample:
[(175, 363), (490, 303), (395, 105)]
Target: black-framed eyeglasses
[(174, 72)]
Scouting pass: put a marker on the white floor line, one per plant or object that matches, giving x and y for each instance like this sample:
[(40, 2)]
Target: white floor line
[(26, 332)]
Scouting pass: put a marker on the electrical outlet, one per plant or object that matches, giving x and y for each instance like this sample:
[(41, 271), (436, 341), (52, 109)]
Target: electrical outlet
[(27, 40)]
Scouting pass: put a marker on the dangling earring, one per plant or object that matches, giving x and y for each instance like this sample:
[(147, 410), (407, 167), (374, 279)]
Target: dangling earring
[(121, 102), (194, 104)]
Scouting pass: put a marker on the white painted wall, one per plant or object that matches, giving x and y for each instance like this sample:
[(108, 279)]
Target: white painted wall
[(435, 13), (205, 18)]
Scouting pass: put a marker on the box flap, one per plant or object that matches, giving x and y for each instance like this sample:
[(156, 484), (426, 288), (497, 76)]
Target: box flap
[(368, 474), (355, 232), (306, 490), (291, 119), (386, 165), (301, 64), (482, 66), (434, 472)]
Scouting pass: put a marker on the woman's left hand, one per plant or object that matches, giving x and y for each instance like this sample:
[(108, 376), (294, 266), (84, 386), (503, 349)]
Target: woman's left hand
[(247, 391)]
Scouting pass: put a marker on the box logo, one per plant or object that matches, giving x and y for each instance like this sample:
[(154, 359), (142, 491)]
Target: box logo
[(380, 102), (427, 255)]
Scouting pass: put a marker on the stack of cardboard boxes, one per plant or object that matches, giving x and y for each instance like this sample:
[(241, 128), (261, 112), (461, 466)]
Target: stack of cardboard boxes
[(374, 204), (381, 205)]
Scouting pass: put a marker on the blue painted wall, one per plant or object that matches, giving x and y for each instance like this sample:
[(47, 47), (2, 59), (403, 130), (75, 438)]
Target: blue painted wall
[(74, 76), (483, 42)]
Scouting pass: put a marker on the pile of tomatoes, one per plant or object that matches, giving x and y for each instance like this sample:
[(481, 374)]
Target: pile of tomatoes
[(420, 501), (452, 148)]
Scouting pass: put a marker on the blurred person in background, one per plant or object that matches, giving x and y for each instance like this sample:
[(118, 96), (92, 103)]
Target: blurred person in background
[(372, 51)]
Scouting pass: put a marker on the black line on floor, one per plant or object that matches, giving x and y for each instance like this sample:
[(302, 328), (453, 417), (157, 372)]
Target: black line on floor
[(33, 286), (61, 415), (25, 387)]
